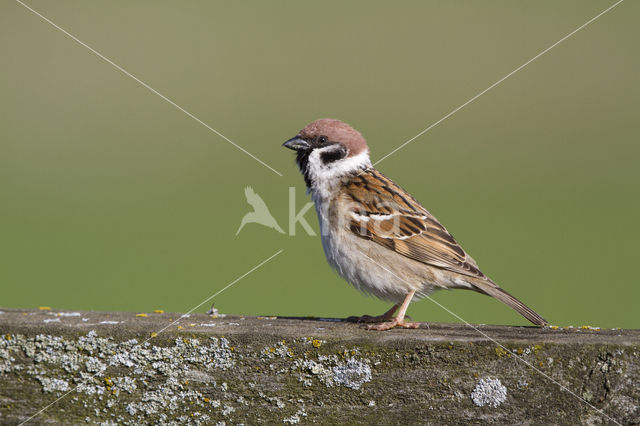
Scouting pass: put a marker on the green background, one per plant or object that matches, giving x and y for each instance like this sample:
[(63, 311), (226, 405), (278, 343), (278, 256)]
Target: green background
[(112, 199)]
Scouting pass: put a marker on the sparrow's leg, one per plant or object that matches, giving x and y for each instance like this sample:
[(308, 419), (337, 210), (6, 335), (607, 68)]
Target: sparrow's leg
[(387, 316), (398, 321)]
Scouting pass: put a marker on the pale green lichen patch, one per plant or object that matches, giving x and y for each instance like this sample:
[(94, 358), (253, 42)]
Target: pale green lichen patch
[(280, 349), (490, 392), (158, 372), (184, 378), (267, 371), (53, 385), (352, 374)]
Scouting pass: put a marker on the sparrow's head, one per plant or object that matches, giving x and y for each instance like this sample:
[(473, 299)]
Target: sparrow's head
[(329, 149)]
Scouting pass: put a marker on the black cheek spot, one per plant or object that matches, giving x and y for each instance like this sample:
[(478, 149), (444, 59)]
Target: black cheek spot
[(333, 155)]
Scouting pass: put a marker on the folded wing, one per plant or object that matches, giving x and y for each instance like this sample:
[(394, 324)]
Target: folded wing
[(382, 212)]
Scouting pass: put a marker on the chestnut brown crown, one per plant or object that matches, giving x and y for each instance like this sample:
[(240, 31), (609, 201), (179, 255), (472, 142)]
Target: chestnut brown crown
[(335, 131)]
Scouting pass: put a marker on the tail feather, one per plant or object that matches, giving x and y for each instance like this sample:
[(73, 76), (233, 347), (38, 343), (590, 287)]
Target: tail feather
[(491, 289)]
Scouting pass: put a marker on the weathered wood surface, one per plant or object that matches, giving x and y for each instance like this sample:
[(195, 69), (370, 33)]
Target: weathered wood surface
[(125, 369)]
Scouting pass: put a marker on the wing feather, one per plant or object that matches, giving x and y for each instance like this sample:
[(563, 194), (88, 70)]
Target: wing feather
[(383, 212)]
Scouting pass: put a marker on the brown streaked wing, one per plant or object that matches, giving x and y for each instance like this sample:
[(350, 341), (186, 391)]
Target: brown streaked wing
[(388, 215)]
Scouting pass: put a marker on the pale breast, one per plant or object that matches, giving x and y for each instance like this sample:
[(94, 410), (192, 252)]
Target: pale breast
[(368, 266)]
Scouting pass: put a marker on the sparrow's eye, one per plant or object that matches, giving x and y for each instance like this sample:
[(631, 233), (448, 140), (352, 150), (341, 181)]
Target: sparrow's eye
[(323, 139)]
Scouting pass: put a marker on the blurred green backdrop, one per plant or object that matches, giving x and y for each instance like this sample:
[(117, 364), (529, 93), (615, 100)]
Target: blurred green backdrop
[(112, 199)]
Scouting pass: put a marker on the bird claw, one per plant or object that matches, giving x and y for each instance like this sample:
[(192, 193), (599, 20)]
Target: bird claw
[(392, 324)]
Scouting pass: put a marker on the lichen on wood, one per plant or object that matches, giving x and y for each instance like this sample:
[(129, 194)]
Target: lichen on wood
[(123, 368)]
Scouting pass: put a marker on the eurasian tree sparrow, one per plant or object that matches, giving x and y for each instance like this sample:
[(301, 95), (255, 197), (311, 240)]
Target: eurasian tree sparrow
[(376, 235)]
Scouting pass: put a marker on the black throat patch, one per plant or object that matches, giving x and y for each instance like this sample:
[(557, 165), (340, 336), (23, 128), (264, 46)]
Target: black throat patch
[(302, 159)]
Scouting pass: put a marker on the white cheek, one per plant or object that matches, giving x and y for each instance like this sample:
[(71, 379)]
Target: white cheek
[(325, 179), (328, 174), (315, 163)]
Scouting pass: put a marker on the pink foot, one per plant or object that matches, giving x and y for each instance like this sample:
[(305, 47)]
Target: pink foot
[(391, 324)]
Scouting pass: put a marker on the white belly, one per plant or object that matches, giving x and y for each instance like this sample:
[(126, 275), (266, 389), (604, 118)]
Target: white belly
[(372, 268)]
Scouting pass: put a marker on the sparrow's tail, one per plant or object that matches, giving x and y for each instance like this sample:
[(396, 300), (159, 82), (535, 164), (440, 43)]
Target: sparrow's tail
[(491, 289)]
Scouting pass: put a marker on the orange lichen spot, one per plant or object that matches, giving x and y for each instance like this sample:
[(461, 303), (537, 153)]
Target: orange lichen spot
[(154, 334), (206, 399), (589, 327), (108, 382), (44, 308), (500, 351)]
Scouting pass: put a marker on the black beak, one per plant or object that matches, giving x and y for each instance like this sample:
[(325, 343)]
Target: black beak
[(297, 144)]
